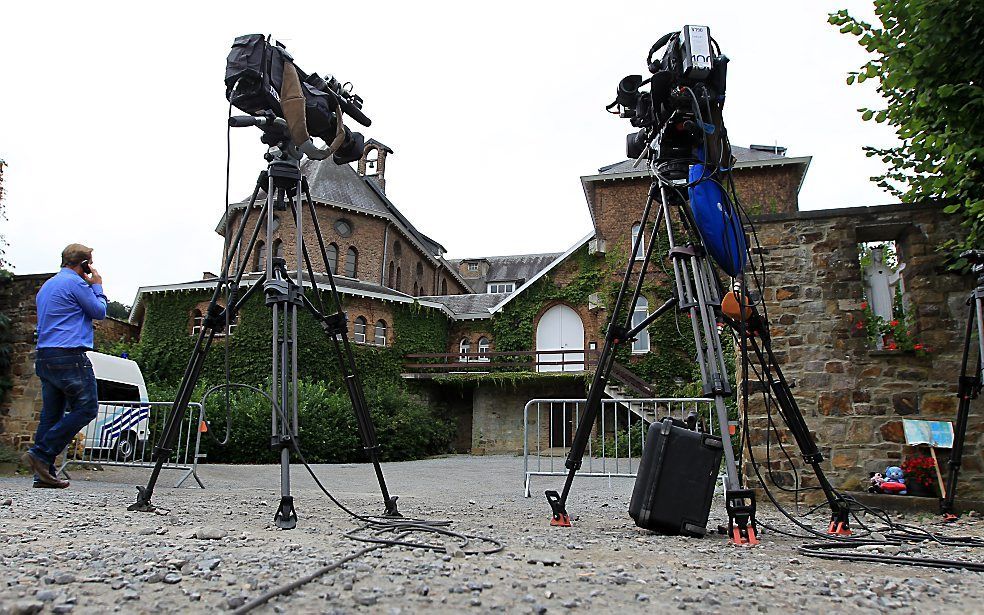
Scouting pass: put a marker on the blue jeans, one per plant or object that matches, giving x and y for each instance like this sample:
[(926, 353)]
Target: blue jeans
[(68, 399)]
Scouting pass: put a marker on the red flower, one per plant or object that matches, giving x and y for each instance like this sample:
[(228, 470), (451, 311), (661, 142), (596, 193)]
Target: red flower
[(894, 323), (891, 346), (917, 347), (864, 305)]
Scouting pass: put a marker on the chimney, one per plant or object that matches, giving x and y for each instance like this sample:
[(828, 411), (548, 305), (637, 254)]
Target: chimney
[(373, 162)]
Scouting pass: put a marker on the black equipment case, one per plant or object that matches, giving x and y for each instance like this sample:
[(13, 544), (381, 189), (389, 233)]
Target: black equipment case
[(675, 483)]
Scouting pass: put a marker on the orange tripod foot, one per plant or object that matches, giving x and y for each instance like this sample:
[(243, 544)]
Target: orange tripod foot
[(561, 520)]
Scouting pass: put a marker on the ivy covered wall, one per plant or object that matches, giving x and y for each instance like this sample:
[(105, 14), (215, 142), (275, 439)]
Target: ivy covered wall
[(669, 365), (166, 342)]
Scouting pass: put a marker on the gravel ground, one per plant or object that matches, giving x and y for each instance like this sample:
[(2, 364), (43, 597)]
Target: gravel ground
[(79, 550)]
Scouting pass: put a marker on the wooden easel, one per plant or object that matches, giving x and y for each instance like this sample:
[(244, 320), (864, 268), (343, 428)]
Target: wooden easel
[(939, 475)]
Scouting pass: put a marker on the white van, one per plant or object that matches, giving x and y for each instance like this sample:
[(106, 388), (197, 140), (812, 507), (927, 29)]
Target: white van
[(118, 432)]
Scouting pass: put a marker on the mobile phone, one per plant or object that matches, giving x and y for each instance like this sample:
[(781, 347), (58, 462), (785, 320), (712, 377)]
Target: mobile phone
[(86, 268)]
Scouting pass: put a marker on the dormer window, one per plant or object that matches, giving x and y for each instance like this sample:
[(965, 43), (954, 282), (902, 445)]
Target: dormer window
[(472, 266), (501, 287)]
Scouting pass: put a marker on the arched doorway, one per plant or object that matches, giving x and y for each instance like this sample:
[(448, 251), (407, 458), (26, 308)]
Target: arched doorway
[(560, 328)]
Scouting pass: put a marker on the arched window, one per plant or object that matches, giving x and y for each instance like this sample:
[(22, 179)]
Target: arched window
[(420, 269), (416, 290), (351, 262), (380, 338), (444, 287), (332, 263), (397, 248), (464, 347), (197, 322), (392, 275), (637, 236), (360, 330), (483, 348), (259, 262), (399, 284), (278, 248), (641, 344)]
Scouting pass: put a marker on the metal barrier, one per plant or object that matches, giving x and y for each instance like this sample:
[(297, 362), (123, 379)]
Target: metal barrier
[(124, 433), (617, 438)]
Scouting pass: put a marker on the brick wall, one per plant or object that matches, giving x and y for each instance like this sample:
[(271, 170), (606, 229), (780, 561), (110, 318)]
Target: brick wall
[(372, 310), (375, 240), (854, 398)]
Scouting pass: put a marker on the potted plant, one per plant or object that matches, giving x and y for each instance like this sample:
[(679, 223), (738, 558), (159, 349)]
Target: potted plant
[(920, 476)]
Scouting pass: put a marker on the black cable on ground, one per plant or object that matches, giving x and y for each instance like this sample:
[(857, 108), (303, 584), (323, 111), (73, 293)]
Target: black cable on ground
[(372, 532), (283, 590), (823, 550)]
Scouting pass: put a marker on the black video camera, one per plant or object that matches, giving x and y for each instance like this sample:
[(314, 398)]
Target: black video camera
[(255, 79), (681, 112)]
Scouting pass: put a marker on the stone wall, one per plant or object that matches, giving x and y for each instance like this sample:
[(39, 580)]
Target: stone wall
[(21, 407), (20, 410), (853, 397), (497, 411)]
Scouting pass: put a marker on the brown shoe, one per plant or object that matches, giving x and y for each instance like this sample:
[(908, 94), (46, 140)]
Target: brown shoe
[(40, 468)]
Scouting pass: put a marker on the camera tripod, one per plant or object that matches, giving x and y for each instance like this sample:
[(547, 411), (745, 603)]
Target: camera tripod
[(697, 291), (284, 185), (969, 385)]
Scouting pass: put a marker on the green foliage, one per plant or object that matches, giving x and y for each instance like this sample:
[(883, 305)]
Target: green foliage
[(405, 428), (512, 328), (621, 443), (511, 379), (166, 343), (6, 347), (927, 57), (7, 454), (329, 432), (115, 309)]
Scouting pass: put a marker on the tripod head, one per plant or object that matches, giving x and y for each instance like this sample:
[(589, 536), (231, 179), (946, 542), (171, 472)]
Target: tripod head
[(976, 260)]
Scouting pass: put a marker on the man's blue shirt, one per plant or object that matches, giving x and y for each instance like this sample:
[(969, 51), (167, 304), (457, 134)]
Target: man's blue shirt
[(67, 305)]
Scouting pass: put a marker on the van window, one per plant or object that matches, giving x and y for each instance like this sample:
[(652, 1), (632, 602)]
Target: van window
[(107, 390)]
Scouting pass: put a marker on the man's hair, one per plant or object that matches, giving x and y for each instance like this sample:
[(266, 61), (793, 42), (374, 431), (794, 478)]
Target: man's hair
[(74, 254)]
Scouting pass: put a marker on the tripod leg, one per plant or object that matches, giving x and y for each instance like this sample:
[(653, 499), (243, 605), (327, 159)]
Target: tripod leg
[(215, 318), (614, 336), (337, 328), (968, 388)]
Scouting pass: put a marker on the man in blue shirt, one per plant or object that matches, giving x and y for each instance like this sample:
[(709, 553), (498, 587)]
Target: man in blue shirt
[(67, 305)]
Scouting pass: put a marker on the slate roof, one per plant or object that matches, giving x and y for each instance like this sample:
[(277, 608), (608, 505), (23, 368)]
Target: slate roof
[(342, 186), (512, 268), (345, 286), (745, 156), (477, 305)]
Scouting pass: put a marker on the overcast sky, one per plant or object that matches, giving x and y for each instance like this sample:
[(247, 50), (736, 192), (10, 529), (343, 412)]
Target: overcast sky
[(112, 117)]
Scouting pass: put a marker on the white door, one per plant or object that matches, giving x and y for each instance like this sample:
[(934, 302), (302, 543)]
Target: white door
[(560, 328)]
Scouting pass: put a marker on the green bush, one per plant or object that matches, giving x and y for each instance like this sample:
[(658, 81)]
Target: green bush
[(329, 433), (630, 439), (7, 454)]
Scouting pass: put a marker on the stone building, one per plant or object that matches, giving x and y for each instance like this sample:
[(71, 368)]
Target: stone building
[(505, 329)]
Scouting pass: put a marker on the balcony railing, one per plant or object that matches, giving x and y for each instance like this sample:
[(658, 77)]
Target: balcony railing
[(565, 360), (547, 361)]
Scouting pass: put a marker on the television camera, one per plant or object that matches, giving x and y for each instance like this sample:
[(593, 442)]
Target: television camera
[(680, 115), (262, 80)]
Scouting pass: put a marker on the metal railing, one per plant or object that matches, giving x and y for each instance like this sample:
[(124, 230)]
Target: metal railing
[(564, 360), (124, 433), (617, 437)]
